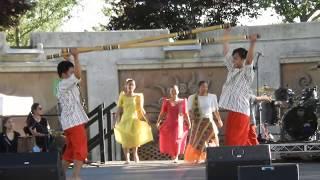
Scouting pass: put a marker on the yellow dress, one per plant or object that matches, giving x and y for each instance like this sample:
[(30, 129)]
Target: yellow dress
[(133, 129)]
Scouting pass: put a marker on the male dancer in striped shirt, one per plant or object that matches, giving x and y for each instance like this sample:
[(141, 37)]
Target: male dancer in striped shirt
[(73, 116), (235, 94)]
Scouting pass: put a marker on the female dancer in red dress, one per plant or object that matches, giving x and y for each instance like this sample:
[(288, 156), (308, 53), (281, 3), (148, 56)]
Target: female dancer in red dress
[(173, 124)]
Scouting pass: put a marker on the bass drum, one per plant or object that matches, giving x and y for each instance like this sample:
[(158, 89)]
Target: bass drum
[(300, 123)]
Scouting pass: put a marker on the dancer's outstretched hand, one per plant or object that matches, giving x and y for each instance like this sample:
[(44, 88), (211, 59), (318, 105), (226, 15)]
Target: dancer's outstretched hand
[(253, 37), (74, 52), (159, 123), (219, 124)]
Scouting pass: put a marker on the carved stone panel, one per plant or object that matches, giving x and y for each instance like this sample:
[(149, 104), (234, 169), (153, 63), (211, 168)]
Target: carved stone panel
[(297, 76)]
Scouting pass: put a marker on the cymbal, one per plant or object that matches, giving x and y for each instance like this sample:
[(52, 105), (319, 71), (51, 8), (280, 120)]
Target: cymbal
[(313, 68), (266, 90)]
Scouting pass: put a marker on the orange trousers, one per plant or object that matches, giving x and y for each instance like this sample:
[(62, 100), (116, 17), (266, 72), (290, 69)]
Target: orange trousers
[(238, 130), (253, 138), (76, 141)]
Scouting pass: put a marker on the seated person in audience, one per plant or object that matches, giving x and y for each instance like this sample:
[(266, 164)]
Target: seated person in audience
[(38, 127), (8, 137)]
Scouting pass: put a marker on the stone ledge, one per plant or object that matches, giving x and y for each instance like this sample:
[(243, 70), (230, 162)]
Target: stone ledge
[(274, 32), (300, 58), (170, 63), (8, 54), (90, 39), (30, 67), (183, 48)]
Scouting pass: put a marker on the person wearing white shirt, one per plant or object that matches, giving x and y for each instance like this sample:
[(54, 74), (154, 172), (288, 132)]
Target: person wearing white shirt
[(203, 107)]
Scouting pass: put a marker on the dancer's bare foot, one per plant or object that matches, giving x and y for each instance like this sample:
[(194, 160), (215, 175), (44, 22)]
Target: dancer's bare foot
[(176, 159), (201, 162), (127, 162), (136, 158), (73, 178), (196, 162), (127, 158), (77, 178)]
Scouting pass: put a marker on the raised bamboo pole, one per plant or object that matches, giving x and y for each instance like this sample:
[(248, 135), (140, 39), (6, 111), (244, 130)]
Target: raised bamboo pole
[(66, 51), (123, 45), (176, 34)]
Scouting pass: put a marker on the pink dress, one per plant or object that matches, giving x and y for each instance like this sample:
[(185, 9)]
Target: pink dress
[(173, 131)]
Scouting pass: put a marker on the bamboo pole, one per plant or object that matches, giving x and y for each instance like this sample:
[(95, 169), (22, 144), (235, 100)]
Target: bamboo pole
[(159, 44), (204, 41), (65, 51), (176, 34)]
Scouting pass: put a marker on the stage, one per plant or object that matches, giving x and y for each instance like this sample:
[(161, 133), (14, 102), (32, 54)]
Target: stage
[(159, 170)]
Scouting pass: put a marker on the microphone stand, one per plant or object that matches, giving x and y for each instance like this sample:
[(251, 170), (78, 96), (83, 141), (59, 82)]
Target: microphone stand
[(256, 68)]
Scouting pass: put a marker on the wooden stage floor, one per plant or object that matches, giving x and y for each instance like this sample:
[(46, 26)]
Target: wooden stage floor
[(165, 170)]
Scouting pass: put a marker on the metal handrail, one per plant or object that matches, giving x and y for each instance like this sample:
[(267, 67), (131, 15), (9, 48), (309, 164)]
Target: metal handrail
[(105, 133)]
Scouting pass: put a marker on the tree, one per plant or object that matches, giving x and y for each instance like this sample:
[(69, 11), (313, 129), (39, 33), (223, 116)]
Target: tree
[(47, 15), (176, 15), (11, 10), (294, 10)]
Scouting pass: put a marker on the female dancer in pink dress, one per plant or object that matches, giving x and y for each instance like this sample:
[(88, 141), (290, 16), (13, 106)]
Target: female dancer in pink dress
[(173, 124)]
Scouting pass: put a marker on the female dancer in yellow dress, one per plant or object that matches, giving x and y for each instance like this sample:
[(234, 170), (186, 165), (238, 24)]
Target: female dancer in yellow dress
[(132, 129)]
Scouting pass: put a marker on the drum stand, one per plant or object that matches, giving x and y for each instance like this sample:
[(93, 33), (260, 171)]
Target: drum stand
[(262, 136)]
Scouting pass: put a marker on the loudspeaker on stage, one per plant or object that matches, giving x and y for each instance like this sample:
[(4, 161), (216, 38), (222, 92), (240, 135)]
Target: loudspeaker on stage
[(31, 166), (272, 172), (223, 162)]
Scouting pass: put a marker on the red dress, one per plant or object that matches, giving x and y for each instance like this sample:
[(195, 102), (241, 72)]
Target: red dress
[(173, 131)]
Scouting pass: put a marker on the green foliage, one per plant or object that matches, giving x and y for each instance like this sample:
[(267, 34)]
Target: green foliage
[(11, 10), (294, 10), (176, 15), (47, 15)]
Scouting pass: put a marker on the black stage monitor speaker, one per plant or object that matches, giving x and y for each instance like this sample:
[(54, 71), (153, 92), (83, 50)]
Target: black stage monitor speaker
[(271, 172), (31, 166), (223, 162)]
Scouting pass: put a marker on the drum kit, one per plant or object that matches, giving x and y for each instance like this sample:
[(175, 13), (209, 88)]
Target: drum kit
[(296, 115)]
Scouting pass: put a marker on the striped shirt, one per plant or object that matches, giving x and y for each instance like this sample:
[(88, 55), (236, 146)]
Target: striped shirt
[(235, 95), (68, 94)]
